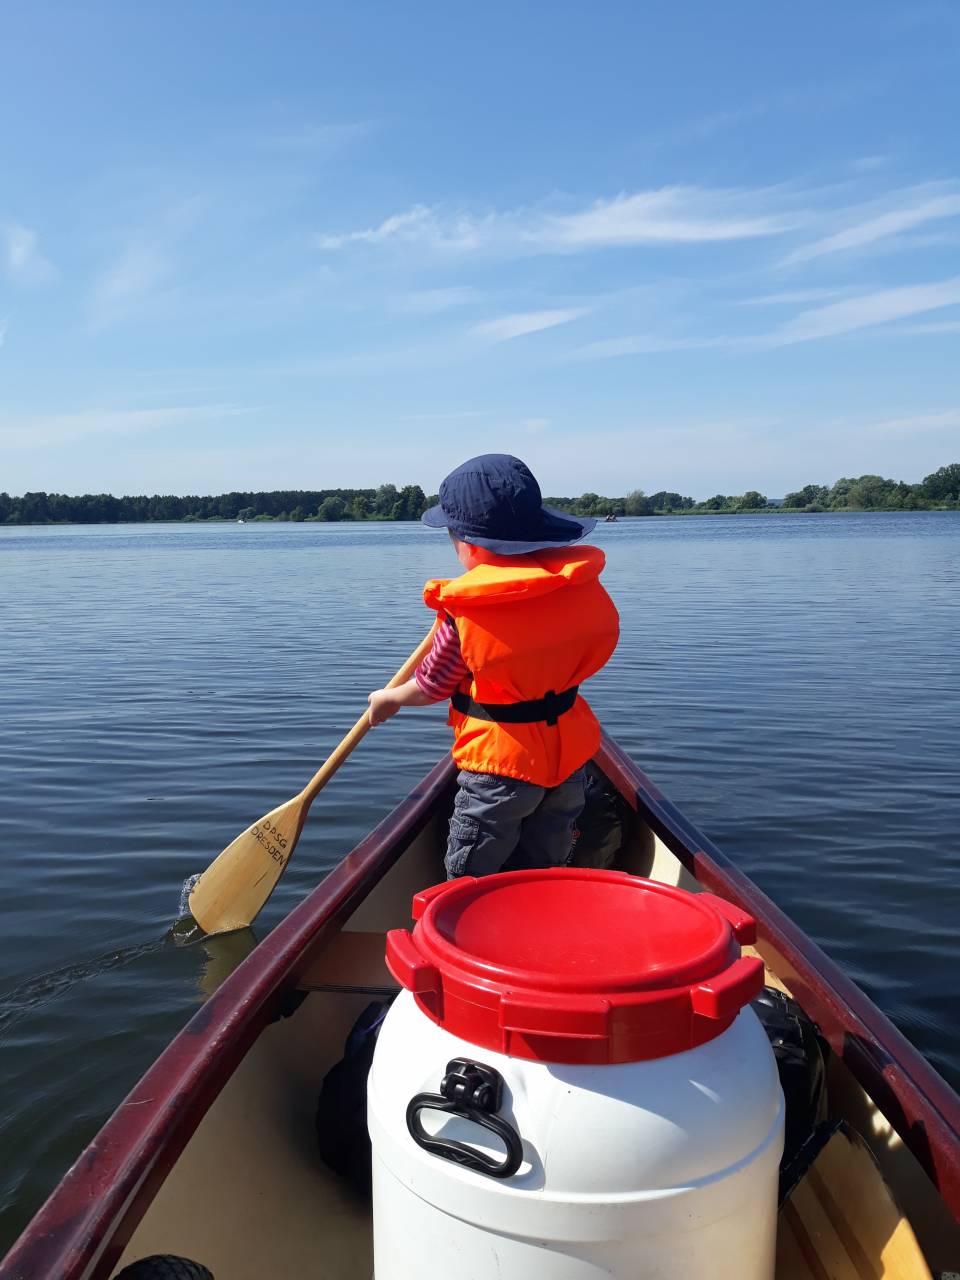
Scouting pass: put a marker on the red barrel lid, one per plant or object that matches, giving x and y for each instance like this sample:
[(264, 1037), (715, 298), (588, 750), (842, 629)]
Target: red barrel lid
[(576, 965)]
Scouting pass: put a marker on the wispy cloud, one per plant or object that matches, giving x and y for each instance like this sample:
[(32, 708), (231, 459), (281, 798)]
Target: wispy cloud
[(679, 215), (920, 207), (933, 326), (865, 311), (421, 224), (505, 328), (138, 270), (868, 310), (645, 344), (669, 215), (22, 257), (4, 330), (789, 298), (64, 428), (913, 423), (165, 231)]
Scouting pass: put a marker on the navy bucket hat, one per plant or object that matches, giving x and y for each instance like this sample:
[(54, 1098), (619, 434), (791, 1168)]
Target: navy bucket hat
[(494, 501)]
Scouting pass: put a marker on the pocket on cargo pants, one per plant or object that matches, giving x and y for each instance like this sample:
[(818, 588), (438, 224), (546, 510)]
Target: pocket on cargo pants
[(485, 827), (461, 843)]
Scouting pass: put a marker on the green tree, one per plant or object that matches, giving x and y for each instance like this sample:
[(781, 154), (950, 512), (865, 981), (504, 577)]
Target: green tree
[(137, 508), (385, 501), (837, 499), (810, 493), (909, 497), (34, 508), (751, 501), (717, 503), (636, 503), (169, 507), (942, 485), (665, 500), (361, 507), (869, 493), (332, 508), (410, 504)]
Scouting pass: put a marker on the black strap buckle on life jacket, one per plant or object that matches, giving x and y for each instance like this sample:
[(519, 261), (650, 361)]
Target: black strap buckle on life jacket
[(549, 708)]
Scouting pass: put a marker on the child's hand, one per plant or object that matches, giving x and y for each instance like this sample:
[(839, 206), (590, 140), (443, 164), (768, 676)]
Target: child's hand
[(383, 705)]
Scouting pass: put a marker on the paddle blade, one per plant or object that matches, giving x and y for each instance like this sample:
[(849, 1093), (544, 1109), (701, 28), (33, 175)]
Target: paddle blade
[(235, 886)]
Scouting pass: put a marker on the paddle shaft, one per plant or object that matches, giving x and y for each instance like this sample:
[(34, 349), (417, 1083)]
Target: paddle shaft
[(363, 726), (235, 886)]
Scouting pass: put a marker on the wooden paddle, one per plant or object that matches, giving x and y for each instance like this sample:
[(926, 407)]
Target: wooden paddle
[(235, 886)]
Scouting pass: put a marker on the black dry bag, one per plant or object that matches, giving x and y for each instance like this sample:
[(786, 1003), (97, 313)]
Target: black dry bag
[(342, 1106), (602, 828), (797, 1047)]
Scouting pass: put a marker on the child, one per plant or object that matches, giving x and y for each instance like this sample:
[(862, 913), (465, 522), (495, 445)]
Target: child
[(519, 632)]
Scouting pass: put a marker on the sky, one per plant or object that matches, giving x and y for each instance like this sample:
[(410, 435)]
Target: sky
[(695, 246)]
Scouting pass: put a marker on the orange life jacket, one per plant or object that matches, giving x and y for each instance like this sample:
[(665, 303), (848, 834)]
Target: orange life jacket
[(529, 625)]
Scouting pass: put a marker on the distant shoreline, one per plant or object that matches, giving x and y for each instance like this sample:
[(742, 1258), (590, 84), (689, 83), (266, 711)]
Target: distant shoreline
[(938, 491), (652, 515)]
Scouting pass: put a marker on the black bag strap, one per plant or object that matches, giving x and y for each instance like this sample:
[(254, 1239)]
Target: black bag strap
[(548, 708)]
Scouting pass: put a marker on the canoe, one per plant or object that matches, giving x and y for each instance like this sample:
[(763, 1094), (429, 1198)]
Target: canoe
[(213, 1155)]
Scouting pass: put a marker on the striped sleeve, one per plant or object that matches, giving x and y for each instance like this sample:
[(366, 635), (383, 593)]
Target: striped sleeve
[(443, 670)]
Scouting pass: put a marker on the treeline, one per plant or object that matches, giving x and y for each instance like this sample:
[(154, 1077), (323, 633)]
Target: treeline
[(636, 503), (864, 493), (386, 503), (873, 493)]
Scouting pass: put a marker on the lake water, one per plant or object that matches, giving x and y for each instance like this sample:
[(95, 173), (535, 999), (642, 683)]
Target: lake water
[(792, 683)]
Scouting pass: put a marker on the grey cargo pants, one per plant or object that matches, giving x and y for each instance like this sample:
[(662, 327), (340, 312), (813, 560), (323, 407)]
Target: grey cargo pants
[(503, 824)]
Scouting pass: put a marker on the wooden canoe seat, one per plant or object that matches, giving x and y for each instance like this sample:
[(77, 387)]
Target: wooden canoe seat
[(350, 962), (842, 1222)]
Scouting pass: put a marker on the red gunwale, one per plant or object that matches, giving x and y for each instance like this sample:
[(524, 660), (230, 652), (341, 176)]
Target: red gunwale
[(918, 1102), (82, 1229)]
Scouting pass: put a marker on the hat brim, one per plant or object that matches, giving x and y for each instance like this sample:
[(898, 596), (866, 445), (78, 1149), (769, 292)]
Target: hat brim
[(556, 529)]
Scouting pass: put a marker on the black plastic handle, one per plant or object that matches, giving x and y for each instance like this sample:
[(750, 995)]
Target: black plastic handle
[(459, 1152)]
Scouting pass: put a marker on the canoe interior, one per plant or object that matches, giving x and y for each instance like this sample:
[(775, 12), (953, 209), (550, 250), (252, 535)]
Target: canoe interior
[(250, 1198), (213, 1154)]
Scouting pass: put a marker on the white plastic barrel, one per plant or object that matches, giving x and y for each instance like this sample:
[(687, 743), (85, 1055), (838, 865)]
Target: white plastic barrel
[(612, 1015)]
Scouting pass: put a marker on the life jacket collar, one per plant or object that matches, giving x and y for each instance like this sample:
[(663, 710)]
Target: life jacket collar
[(506, 578)]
